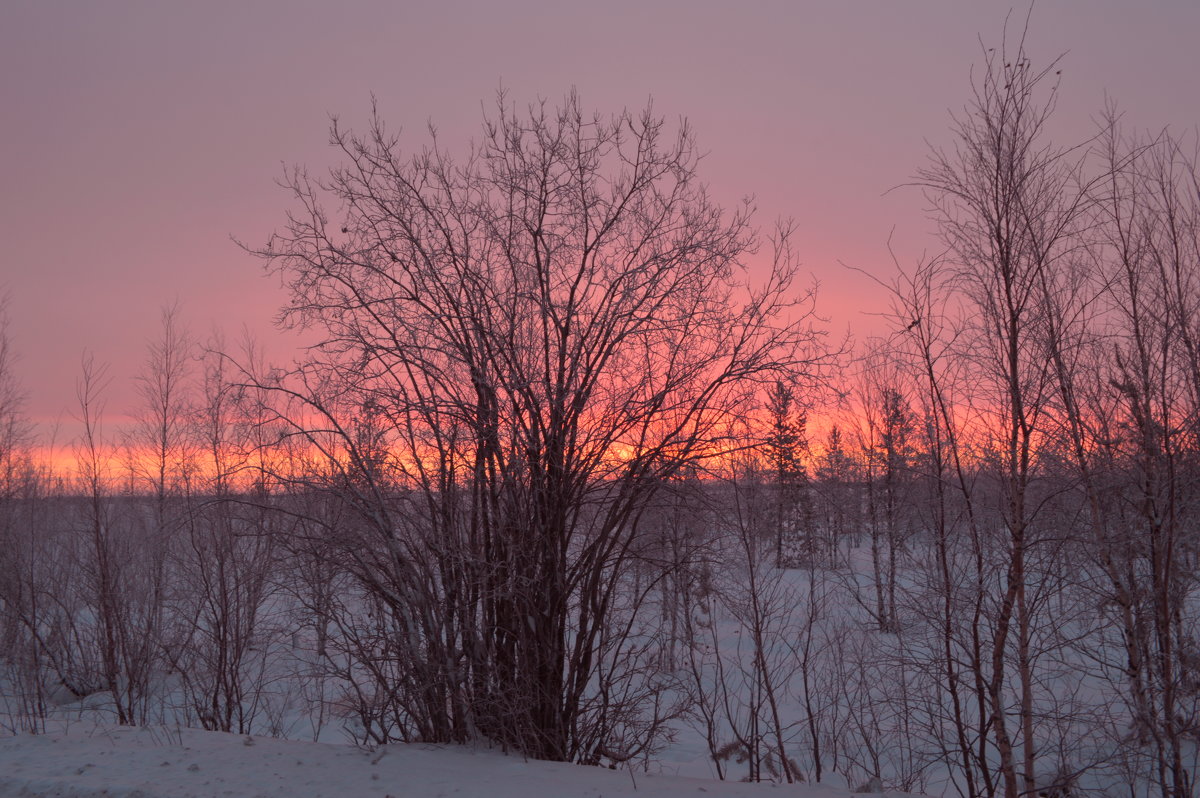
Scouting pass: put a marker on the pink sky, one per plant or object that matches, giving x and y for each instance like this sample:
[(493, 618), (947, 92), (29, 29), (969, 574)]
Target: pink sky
[(139, 136)]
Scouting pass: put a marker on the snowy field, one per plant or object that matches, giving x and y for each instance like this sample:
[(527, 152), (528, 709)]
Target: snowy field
[(148, 762)]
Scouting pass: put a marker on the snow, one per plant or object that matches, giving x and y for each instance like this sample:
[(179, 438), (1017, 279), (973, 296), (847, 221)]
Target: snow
[(83, 761)]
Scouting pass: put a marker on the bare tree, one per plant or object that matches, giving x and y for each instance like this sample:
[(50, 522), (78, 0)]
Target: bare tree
[(1008, 205), (1136, 460), (15, 429), (952, 605), (26, 661), (226, 564), (746, 650), (101, 558), (519, 347), (159, 448)]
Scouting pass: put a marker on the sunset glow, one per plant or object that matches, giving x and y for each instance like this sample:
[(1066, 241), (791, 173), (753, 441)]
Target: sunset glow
[(144, 136)]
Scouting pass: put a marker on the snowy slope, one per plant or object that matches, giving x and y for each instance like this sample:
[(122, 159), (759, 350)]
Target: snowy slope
[(148, 763)]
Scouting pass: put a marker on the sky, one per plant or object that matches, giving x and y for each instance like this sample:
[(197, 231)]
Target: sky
[(141, 140)]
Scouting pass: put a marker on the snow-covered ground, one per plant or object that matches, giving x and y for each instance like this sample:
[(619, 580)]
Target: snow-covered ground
[(121, 762)]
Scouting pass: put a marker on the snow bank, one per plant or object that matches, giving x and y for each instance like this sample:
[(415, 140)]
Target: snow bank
[(152, 762)]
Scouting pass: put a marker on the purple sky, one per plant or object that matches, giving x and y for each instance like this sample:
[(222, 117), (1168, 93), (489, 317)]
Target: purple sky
[(139, 136)]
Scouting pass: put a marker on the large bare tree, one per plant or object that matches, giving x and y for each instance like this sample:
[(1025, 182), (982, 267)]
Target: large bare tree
[(517, 347), (1009, 205)]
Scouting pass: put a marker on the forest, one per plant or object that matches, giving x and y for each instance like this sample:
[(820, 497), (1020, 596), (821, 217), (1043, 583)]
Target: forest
[(574, 468)]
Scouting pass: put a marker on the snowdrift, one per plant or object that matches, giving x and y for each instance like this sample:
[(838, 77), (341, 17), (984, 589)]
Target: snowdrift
[(122, 762)]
